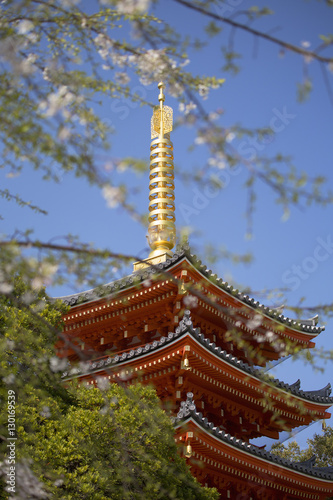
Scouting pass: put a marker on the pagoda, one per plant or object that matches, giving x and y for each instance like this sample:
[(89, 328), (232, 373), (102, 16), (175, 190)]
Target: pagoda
[(204, 346)]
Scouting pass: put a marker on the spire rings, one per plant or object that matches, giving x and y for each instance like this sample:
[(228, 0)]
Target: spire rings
[(162, 217), (161, 229)]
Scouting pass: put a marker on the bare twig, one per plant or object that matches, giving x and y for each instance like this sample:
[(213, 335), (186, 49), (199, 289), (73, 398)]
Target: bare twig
[(260, 34)]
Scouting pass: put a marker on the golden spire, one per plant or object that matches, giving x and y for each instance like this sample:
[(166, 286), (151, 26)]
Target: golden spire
[(161, 230)]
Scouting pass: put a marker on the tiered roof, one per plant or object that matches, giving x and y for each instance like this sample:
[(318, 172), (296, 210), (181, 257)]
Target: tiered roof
[(220, 309), (227, 461), (141, 322), (233, 464), (321, 396), (308, 326), (228, 386)]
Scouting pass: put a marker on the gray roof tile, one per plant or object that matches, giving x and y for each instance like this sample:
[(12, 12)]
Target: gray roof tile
[(188, 411), (306, 325)]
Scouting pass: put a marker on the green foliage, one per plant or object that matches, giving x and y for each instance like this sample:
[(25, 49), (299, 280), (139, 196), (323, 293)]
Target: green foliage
[(321, 445), (4, 193), (304, 90), (256, 12), (116, 443), (79, 442), (230, 64), (212, 29), (292, 451), (29, 327), (327, 39)]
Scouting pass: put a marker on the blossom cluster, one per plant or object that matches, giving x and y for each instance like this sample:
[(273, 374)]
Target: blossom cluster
[(113, 196)]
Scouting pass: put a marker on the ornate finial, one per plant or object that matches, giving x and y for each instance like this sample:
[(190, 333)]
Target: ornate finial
[(161, 97), (162, 230), (161, 121)]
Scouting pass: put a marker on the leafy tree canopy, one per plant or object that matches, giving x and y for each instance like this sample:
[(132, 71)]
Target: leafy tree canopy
[(321, 445), (79, 442), (112, 443)]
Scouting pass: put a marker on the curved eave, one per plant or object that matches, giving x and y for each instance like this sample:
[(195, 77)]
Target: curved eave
[(263, 458), (185, 329), (306, 327), (310, 330)]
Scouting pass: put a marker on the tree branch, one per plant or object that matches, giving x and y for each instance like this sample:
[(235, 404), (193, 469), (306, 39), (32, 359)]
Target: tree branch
[(260, 34), (67, 248)]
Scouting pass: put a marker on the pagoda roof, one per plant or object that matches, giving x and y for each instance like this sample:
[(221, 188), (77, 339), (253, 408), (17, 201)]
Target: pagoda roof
[(307, 326), (189, 412), (185, 327)]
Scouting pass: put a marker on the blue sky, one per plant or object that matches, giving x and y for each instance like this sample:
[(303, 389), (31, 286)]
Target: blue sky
[(295, 253)]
